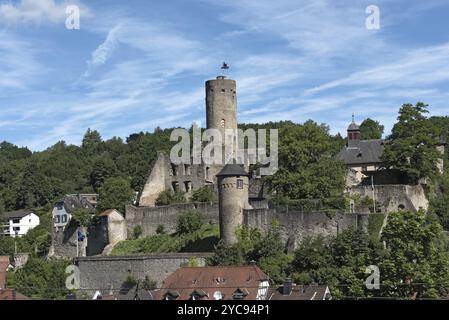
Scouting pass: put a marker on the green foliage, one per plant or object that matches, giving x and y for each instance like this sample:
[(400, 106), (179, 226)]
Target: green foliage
[(371, 129), (412, 143), (32, 180), (339, 262), (189, 222), (160, 229), (413, 264), (414, 257), (169, 197), (82, 217), (131, 280), (204, 194), (41, 279), (137, 231), (375, 222), (115, 194), (266, 251), (202, 240), (149, 284), (307, 164)]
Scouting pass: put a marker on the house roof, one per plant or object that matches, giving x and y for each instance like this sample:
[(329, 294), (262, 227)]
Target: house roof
[(17, 214), (107, 212), (299, 292), (206, 282), (73, 202), (4, 263), (11, 294), (232, 170), (362, 152)]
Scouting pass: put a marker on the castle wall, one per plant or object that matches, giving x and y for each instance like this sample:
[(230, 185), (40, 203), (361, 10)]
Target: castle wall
[(294, 226), (151, 217), (395, 197), (157, 181), (106, 273)]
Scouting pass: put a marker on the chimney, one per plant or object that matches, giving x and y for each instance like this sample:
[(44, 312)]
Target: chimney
[(288, 287)]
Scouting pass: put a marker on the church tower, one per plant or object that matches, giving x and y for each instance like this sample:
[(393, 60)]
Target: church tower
[(353, 133)]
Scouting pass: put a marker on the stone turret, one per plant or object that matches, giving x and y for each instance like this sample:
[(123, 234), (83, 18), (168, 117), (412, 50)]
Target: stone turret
[(233, 183)]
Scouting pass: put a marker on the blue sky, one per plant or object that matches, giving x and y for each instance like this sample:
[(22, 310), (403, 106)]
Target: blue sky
[(134, 65)]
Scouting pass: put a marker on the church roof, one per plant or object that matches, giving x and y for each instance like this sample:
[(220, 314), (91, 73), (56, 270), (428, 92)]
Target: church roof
[(353, 127), (231, 170), (362, 152)]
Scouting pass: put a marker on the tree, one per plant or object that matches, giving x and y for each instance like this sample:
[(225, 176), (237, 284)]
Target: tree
[(92, 138), (371, 129), (266, 251), (115, 194), (41, 279), (204, 194), (189, 222), (415, 263), (412, 144), (103, 168), (308, 168)]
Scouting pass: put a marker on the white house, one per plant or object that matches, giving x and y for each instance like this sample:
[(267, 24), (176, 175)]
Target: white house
[(19, 222)]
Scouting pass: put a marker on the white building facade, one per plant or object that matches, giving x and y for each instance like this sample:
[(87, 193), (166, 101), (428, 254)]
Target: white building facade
[(18, 223)]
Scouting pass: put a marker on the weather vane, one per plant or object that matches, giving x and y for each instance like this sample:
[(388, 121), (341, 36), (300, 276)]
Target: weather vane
[(224, 67)]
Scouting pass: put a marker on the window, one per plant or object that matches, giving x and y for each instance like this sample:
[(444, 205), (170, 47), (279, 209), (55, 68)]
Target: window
[(239, 183), (64, 218), (15, 220), (16, 228), (57, 219)]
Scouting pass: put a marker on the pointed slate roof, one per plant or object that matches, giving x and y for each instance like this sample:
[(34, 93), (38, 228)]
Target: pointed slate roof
[(232, 170)]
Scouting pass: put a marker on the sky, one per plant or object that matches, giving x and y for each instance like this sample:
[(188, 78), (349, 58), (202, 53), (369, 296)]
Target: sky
[(135, 65)]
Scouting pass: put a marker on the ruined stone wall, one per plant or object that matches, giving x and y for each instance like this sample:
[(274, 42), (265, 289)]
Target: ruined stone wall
[(394, 197), (151, 217), (294, 226), (64, 242), (108, 273)]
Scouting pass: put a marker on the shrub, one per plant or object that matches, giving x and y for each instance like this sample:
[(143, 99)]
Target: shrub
[(189, 222), (137, 231), (160, 229), (204, 194), (131, 280), (149, 284), (168, 197)]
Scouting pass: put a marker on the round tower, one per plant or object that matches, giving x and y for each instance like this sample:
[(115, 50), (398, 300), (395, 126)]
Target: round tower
[(233, 185), (221, 104)]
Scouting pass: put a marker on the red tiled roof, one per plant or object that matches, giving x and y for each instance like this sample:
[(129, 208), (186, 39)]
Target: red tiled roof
[(9, 294), (204, 282)]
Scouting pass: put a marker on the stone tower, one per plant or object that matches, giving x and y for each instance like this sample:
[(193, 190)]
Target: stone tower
[(221, 104), (233, 183)]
